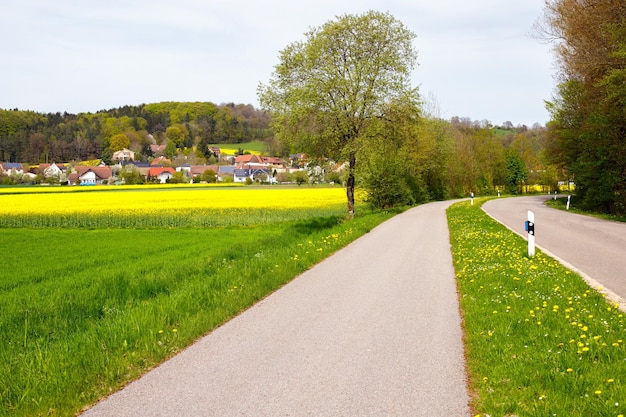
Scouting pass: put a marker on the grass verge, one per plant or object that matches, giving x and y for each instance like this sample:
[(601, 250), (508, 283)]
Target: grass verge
[(539, 341), (91, 310)]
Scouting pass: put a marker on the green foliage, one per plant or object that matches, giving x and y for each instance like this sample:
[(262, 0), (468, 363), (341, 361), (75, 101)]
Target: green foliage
[(209, 176), (177, 135), (179, 177), (300, 177), (130, 175), (516, 172), (170, 149), (386, 188), (539, 341), (119, 142)]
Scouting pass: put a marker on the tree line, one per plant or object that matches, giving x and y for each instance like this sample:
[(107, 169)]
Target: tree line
[(31, 137), (587, 131)]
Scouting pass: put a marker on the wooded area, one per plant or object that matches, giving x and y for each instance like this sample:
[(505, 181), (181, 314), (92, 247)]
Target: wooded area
[(31, 137)]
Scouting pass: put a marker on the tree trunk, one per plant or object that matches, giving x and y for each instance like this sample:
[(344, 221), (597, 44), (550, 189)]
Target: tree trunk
[(350, 185)]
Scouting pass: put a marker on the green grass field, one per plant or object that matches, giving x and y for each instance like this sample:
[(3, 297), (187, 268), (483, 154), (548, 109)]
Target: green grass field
[(539, 341), (255, 148), (84, 310)]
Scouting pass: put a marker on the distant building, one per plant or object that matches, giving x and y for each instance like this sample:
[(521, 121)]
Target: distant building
[(86, 175), (161, 174), (123, 155)]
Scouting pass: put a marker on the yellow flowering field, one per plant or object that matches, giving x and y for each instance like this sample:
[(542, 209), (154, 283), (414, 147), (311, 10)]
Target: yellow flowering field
[(170, 207), (63, 189)]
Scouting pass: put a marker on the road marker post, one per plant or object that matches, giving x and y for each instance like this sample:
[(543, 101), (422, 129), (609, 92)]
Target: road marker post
[(529, 226), (569, 197)]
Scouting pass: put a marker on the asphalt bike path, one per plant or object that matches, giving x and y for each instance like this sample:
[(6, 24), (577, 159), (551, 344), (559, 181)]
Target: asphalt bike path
[(594, 248), (373, 330)]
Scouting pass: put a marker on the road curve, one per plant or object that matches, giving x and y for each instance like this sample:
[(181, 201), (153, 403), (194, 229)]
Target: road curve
[(593, 247), (374, 330)]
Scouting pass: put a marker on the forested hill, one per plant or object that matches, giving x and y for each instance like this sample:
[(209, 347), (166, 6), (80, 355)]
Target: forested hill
[(31, 137)]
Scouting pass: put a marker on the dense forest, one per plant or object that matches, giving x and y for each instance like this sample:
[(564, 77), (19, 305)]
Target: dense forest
[(31, 137)]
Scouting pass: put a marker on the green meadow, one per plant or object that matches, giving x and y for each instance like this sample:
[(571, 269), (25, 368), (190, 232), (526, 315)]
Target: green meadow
[(85, 311), (539, 342)]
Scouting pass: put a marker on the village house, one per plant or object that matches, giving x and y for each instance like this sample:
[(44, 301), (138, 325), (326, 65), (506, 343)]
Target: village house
[(123, 155), (87, 175), (193, 171), (254, 173), (215, 151), (52, 172), (273, 161), (141, 167), (160, 174), (248, 159), (225, 172), (11, 168)]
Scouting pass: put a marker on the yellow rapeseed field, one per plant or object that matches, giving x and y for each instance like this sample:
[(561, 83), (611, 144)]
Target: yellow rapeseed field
[(151, 200)]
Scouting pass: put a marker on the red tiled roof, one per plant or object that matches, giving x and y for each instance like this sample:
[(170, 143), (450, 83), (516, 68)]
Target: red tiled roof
[(245, 159), (155, 172)]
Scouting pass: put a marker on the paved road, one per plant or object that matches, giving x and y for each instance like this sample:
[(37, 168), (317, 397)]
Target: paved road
[(593, 247), (374, 330)]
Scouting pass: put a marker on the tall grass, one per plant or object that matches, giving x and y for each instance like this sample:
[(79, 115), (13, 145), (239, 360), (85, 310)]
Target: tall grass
[(539, 341), (82, 312), (203, 217)]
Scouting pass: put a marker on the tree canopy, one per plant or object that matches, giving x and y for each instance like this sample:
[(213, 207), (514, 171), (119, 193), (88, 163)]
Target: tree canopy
[(329, 94), (31, 137)]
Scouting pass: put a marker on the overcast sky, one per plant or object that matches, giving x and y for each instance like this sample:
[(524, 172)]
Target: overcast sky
[(477, 59)]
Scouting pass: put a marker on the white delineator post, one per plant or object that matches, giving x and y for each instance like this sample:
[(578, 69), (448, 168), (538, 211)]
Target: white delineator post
[(530, 228)]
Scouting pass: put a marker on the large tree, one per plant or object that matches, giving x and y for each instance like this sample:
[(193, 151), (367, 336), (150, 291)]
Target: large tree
[(328, 92), (588, 126)]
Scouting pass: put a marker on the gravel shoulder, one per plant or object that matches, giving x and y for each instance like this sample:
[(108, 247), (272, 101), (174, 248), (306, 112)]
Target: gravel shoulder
[(374, 330)]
